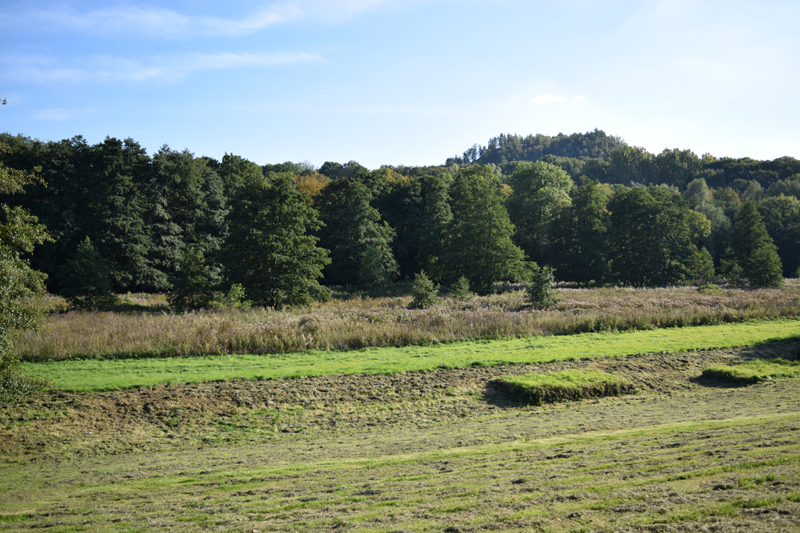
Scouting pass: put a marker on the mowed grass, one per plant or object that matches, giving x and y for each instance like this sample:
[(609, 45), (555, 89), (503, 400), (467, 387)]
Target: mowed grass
[(755, 371), (97, 375), (595, 481), (564, 386)]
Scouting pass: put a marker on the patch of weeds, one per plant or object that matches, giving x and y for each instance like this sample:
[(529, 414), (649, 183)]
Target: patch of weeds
[(746, 482), (761, 502), (14, 518), (794, 497)]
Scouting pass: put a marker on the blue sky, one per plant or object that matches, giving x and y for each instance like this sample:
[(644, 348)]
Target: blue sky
[(402, 81)]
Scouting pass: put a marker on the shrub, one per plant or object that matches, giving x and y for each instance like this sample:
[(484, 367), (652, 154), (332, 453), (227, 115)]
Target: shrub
[(424, 292), (460, 290), (541, 292)]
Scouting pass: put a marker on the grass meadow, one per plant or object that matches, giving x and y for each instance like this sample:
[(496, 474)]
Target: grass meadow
[(352, 322), (109, 374)]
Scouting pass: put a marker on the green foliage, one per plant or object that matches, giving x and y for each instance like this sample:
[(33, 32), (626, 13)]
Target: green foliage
[(507, 148), (781, 217), (87, 278), (632, 164), (19, 284), (579, 237), (268, 250), (701, 266), (436, 218), (479, 242), (194, 284), (541, 292), (753, 249), (424, 292), (358, 240), (236, 298), (460, 290), (539, 191)]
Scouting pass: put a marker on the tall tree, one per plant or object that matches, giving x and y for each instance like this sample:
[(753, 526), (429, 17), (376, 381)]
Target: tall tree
[(782, 220), (479, 244), (359, 241), (579, 241), (539, 191), (187, 207), (753, 249), (436, 218), (269, 250), (654, 236), (118, 209), (20, 232)]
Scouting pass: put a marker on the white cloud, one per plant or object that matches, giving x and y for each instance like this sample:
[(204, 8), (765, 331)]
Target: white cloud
[(128, 19), (544, 99), (174, 68)]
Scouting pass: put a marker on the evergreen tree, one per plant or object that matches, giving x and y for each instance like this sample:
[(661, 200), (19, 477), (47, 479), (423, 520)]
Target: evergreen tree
[(753, 249), (194, 282), (186, 208), (87, 277), (358, 240), (541, 293), (782, 220), (423, 291), (117, 204), (479, 244), (269, 250)]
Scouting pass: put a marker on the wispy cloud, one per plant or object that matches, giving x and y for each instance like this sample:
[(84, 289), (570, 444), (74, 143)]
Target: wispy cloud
[(172, 69), (128, 19), (59, 114), (544, 99)]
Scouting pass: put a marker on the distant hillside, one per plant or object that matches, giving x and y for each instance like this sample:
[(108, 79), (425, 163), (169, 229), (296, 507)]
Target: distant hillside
[(506, 148)]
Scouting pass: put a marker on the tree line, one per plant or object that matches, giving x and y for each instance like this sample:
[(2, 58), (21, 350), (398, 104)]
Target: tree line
[(121, 220)]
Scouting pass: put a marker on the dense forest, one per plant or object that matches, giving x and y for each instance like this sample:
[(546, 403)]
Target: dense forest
[(588, 205)]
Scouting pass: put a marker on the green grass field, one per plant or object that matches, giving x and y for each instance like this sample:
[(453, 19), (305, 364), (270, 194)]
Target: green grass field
[(567, 385), (98, 375), (755, 371)]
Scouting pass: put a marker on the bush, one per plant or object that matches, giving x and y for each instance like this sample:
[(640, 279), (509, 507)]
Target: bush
[(424, 292), (460, 290), (541, 292)]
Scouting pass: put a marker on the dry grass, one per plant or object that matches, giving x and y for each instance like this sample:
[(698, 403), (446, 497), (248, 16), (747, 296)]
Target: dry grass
[(360, 322)]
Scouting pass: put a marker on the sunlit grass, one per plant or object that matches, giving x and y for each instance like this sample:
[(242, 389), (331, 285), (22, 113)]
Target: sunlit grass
[(149, 329), (563, 386), (89, 375), (755, 371)]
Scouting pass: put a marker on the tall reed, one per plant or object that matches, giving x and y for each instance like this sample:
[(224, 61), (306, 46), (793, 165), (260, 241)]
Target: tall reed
[(360, 322)]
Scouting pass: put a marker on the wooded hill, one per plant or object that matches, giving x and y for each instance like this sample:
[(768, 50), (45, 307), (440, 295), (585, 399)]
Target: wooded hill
[(592, 207)]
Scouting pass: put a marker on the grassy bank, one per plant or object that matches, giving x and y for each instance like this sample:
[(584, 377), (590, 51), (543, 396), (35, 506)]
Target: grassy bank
[(99, 374), (354, 323)]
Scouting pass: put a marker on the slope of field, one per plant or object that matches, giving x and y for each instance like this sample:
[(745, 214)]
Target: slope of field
[(99, 374), (437, 450)]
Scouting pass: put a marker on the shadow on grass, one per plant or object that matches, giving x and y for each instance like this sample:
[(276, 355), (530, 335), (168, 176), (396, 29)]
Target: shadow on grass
[(787, 349)]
